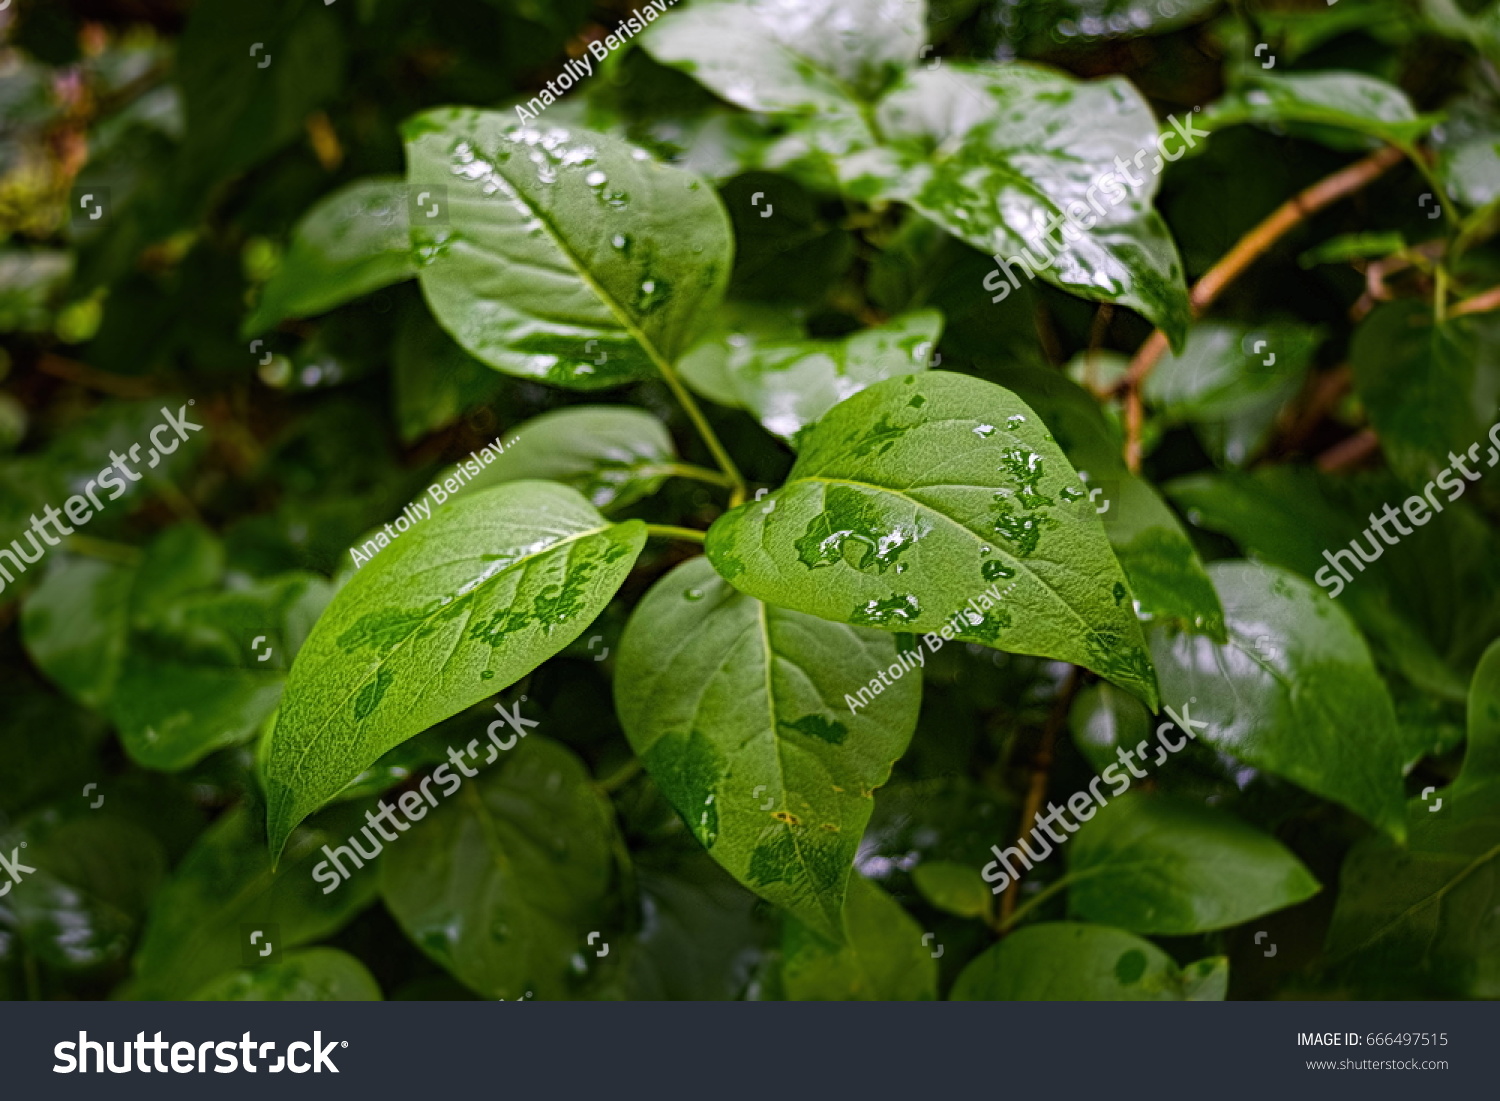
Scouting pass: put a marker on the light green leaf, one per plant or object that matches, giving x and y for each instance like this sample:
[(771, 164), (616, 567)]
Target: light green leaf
[(614, 455), (740, 712), (1067, 962), (225, 886), (882, 958), (998, 155), (550, 261), (1157, 864), (1430, 389), (789, 384), (314, 975), (1226, 369), (461, 606), (1294, 691), (1424, 911), (822, 55), (957, 888), (938, 503), (1468, 148), (1104, 720), (352, 242), (502, 883), (1340, 100)]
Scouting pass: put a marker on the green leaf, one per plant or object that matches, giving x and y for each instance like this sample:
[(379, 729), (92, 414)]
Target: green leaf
[(463, 605), (314, 975), (999, 154), (94, 878), (939, 503), (199, 922), (1104, 720), (1158, 864), (435, 381), (352, 242), (740, 712), (1231, 380), (1294, 691), (1413, 600), (1165, 573), (1424, 912), (194, 681), (957, 888), (1430, 389), (614, 455), (882, 957), (243, 106), (822, 55), (789, 384), (1468, 148), (550, 262), (1337, 100), (502, 883), (1067, 962), (76, 623)]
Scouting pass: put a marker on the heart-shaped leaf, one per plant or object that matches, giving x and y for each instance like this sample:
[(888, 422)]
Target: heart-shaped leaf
[(938, 503)]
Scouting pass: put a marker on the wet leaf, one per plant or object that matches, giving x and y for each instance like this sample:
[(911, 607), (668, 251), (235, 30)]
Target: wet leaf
[(999, 155), (740, 711), (502, 883), (613, 455), (461, 606), (314, 975), (1294, 691), (351, 243), (548, 260), (1156, 864), (1335, 100), (882, 958), (1066, 962), (938, 503)]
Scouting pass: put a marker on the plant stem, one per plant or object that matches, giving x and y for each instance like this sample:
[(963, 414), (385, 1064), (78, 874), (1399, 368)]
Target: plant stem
[(667, 531), (1256, 243), (688, 470), (1036, 794), (118, 553), (726, 464), (1006, 924), (1480, 303), (621, 776)]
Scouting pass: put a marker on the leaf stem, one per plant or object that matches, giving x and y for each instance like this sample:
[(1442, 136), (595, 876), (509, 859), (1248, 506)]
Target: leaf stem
[(667, 531), (700, 422), (688, 470), (621, 776), (1007, 923), (118, 553)]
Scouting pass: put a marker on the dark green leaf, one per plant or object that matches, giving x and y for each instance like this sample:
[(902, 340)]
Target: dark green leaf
[(741, 713), (503, 883)]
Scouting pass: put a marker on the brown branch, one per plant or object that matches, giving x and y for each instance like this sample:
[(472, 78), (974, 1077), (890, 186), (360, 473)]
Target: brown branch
[(1480, 303), (1349, 452), (1324, 392), (1256, 243), (1036, 793), (82, 374)]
